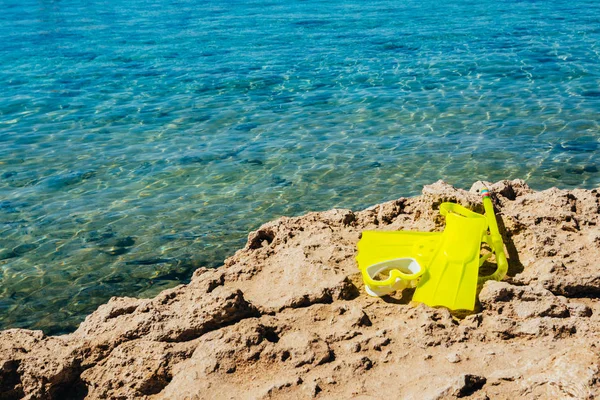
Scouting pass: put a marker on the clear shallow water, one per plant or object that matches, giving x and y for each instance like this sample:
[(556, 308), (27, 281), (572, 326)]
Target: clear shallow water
[(140, 140)]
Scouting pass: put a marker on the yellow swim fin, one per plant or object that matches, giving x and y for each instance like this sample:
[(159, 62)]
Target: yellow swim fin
[(383, 252), (451, 277)]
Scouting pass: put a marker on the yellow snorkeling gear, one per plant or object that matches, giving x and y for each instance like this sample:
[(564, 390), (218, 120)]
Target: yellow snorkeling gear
[(401, 272), (376, 250), (447, 263), (494, 240)]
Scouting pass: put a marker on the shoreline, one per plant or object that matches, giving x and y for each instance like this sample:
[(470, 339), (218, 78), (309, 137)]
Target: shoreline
[(287, 316)]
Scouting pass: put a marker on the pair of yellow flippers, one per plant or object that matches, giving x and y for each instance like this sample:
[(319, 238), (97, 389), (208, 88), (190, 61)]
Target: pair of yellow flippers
[(444, 266)]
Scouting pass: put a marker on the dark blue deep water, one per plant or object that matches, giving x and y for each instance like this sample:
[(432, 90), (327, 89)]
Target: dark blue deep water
[(140, 140)]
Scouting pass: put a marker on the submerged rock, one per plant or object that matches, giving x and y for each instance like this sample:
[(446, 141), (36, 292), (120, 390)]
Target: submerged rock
[(61, 181)]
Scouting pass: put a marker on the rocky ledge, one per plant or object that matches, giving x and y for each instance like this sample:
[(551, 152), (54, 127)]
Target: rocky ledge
[(287, 317)]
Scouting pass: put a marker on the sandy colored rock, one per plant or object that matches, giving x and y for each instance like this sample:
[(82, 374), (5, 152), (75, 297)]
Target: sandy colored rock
[(287, 317)]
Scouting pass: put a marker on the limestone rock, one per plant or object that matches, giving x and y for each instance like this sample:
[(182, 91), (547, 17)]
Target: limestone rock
[(287, 317)]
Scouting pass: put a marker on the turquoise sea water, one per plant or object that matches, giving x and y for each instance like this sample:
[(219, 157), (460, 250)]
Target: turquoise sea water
[(140, 140)]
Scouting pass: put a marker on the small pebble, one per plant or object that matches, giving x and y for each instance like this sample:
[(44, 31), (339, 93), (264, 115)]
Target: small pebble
[(453, 358)]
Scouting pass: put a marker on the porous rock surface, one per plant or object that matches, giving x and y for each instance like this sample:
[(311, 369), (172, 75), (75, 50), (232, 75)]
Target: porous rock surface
[(287, 317)]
